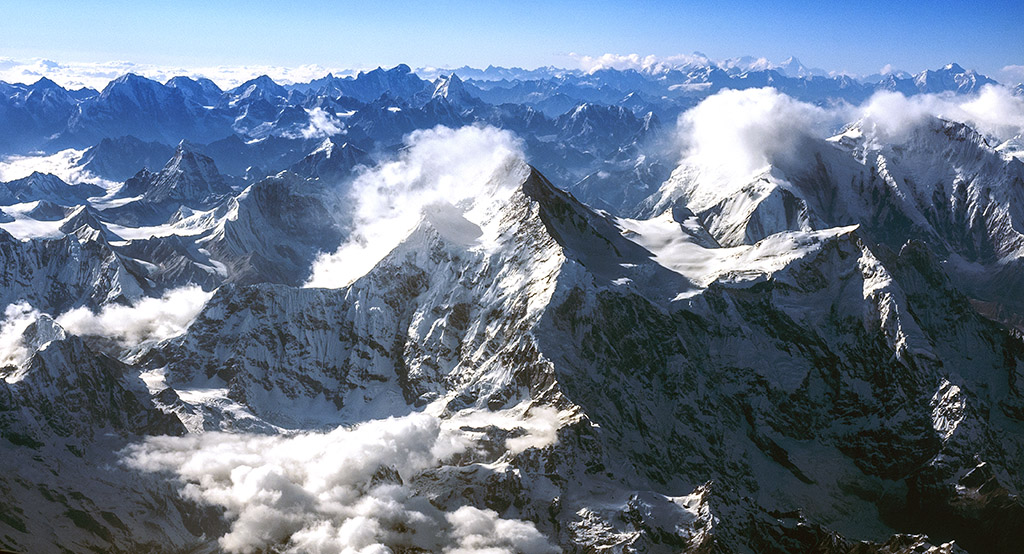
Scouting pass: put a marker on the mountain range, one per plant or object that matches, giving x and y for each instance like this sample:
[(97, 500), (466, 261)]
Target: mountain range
[(580, 327)]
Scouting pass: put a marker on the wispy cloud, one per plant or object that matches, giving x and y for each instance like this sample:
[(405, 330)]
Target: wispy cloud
[(440, 167), (1013, 74), (17, 318), (735, 132)]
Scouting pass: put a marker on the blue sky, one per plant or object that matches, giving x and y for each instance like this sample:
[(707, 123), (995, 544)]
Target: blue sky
[(853, 36)]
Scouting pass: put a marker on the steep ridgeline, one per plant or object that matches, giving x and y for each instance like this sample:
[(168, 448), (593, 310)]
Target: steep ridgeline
[(809, 390), (68, 246), (941, 183), (65, 412), (79, 269), (189, 179), (603, 134)]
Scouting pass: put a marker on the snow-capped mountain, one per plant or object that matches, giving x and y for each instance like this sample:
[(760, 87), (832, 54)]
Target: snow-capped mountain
[(134, 105), (331, 162), (950, 78), (189, 179), (201, 91), (118, 159), (39, 186), (428, 316)]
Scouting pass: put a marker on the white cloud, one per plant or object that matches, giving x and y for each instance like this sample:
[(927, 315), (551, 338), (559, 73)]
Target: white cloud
[(1012, 74), (322, 125), (537, 426), (646, 64), (316, 493), (478, 531), (17, 318), (97, 74), (63, 164), (736, 132), (150, 319), (442, 171), (994, 112)]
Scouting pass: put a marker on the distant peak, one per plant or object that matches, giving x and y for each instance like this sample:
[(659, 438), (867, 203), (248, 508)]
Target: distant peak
[(44, 83), (186, 146), (130, 78), (326, 146), (954, 68)]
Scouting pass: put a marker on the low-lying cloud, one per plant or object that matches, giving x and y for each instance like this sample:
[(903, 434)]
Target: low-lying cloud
[(17, 318), (995, 112), (150, 319), (736, 132), (348, 490), (63, 164), (443, 169)]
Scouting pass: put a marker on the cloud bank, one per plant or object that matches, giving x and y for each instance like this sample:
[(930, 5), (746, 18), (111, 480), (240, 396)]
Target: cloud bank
[(96, 75), (644, 64), (348, 490), (441, 170), (63, 164), (995, 112), (150, 319), (734, 133)]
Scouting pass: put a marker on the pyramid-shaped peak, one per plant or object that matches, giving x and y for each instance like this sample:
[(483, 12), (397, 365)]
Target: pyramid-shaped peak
[(188, 158), (130, 79), (43, 84), (326, 147), (260, 85), (83, 216), (451, 88), (186, 145)]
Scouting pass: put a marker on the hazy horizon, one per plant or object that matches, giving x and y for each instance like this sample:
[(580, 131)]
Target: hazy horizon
[(859, 39)]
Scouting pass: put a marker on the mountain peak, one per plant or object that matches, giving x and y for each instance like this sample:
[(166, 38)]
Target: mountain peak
[(44, 84), (128, 83), (451, 88), (264, 80), (325, 147), (187, 157), (186, 146)]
